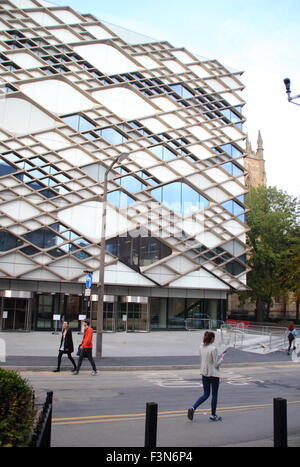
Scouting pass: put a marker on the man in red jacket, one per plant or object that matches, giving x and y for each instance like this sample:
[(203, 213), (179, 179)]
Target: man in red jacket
[(86, 348)]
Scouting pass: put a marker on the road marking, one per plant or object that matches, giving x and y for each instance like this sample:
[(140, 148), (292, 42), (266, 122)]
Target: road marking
[(173, 380), (141, 416)]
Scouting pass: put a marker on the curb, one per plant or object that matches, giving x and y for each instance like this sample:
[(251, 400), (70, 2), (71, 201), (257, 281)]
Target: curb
[(147, 367)]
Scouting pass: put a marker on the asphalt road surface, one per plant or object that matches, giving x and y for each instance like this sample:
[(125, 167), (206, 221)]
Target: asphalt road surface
[(108, 410)]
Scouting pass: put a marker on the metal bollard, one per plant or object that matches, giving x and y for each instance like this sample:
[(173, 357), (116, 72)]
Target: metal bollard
[(280, 422), (151, 425)]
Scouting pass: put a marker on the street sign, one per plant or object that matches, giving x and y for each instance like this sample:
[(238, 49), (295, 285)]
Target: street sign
[(89, 280)]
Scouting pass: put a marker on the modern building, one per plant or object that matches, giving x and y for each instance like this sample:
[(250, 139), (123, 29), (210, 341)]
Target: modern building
[(76, 94)]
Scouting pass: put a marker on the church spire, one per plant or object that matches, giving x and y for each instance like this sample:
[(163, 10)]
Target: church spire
[(260, 142), (260, 146)]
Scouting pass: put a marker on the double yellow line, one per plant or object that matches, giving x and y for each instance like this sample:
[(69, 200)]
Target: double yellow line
[(141, 416)]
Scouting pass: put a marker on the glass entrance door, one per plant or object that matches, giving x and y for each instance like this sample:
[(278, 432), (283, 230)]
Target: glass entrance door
[(132, 317), (136, 317), (15, 314)]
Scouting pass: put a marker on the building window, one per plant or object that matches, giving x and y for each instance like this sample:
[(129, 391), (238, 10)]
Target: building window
[(163, 153), (78, 122), (43, 238), (233, 169), (45, 311), (180, 197), (131, 183), (231, 150), (233, 207), (137, 250), (9, 241), (182, 91), (120, 199), (235, 268), (6, 168), (112, 136)]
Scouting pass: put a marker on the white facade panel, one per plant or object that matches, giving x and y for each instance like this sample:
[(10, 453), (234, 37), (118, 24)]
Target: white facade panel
[(77, 94)]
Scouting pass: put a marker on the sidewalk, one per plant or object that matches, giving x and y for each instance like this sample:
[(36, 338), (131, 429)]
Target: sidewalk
[(123, 351)]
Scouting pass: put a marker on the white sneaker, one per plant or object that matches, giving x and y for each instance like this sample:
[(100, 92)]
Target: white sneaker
[(94, 373), (215, 418)]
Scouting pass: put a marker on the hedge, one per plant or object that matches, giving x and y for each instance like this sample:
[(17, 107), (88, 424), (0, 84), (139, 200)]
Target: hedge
[(16, 410)]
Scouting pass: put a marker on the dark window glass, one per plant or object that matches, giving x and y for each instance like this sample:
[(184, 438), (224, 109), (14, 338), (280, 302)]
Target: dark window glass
[(137, 250), (35, 185), (56, 253), (235, 268), (81, 254), (48, 193), (43, 238), (29, 250), (8, 241), (6, 168)]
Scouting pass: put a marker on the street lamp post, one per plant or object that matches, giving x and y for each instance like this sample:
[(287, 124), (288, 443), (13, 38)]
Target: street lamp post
[(287, 83), (99, 331)]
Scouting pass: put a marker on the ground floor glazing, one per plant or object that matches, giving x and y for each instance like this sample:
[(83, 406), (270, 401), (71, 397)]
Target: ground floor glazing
[(25, 311)]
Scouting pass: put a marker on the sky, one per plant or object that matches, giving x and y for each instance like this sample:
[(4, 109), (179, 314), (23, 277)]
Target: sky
[(259, 37)]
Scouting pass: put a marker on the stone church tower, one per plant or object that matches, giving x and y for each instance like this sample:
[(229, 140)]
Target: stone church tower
[(255, 164)]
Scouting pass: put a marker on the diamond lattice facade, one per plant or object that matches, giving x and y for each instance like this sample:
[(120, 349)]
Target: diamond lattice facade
[(76, 94)]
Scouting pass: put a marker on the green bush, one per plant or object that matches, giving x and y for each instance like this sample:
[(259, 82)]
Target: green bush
[(16, 410)]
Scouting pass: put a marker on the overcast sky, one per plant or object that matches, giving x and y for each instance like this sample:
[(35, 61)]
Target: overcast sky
[(259, 37)]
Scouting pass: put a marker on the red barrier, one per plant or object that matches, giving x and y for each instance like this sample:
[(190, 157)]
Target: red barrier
[(237, 321)]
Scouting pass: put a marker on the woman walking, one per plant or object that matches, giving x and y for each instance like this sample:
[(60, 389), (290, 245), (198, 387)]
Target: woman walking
[(210, 364), (292, 334), (66, 346)]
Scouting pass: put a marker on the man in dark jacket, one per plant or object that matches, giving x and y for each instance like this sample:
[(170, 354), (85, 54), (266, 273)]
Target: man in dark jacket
[(66, 346)]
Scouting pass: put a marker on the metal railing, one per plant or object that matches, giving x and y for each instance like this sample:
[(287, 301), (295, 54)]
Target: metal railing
[(266, 337), (202, 323), (41, 437)]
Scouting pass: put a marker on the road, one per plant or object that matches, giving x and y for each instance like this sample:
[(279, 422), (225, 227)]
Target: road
[(109, 409)]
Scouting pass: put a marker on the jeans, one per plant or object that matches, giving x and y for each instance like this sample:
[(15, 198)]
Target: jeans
[(209, 382), (60, 354), (86, 353)]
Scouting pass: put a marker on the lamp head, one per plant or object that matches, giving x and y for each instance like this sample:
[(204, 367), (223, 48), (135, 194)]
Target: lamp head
[(287, 83), (123, 156)]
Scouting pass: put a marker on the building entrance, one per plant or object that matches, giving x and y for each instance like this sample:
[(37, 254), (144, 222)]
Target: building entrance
[(132, 314), (15, 314)]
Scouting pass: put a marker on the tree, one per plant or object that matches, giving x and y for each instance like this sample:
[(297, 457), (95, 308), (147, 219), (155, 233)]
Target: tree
[(273, 244)]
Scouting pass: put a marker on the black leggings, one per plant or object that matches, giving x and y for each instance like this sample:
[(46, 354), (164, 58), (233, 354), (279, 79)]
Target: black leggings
[(60, 354), (291, 339)]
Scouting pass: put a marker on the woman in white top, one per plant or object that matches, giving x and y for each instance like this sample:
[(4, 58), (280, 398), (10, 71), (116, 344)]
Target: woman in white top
[(210, 364)]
